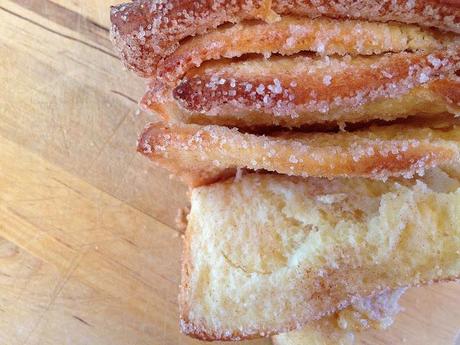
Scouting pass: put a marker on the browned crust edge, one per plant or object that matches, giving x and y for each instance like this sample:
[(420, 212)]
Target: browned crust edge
[(188, 18), (216, 85), (191, 173), (291, 35), (223, 94), (203, 155)]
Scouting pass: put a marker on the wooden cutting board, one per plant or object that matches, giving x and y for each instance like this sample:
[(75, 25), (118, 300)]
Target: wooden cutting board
[(89, 253)]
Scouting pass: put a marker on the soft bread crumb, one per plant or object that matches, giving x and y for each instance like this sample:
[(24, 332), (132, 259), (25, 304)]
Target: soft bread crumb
[(265, 255), (375, 312)]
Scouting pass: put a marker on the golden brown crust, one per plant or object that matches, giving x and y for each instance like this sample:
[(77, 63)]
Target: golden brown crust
[(291, 35), (200, 155), (146, 31), (430, 99), (296, 91), (450, 90), (190, 172)]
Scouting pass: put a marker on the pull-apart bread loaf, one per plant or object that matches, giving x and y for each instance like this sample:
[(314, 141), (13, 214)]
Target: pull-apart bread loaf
[(268, 253), (252, 63), (293, 64), (321, 142)]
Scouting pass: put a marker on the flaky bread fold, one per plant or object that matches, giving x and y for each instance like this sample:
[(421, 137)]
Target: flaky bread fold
[(269, 253), (375, 312), (291, 35), (302, 90), (146, 31), (204, 154), (431, 99)]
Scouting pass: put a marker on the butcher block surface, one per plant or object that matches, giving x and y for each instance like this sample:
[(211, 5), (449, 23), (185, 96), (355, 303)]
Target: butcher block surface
[(89, 250)]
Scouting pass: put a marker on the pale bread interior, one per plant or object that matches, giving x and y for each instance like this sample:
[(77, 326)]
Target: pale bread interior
[(341, 328), (267, 253)]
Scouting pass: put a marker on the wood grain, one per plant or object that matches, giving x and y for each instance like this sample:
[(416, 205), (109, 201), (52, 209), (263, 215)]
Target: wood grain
[(122, 256), (88, 249), (96, 11), (73, 104)]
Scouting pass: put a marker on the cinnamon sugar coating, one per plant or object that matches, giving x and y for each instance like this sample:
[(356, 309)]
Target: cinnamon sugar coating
[(294, 91), (205, 154), (146, 31)]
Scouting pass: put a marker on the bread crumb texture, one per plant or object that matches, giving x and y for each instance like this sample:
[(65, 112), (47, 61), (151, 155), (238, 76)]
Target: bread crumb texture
[(268, 253), (375, 312)]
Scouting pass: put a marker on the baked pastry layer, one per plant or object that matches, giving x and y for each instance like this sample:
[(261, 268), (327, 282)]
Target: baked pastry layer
[(291, 35), (205, 154), (210, 62), (146, 31), (268, 253), (295, 91)]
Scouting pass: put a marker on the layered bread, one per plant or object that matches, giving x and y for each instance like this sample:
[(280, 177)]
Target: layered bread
[(292, 63), (204, 154), (146, 31), (266, 253), (321, 142), (303, 90)]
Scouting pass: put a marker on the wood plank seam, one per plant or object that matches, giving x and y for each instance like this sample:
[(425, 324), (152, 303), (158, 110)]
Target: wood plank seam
[(64, 16), (59, 33)]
